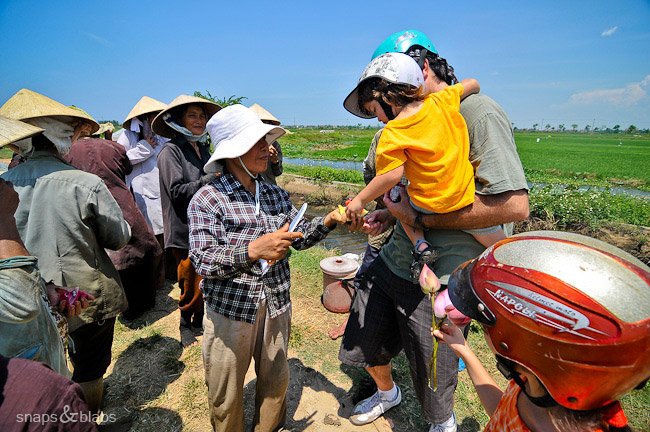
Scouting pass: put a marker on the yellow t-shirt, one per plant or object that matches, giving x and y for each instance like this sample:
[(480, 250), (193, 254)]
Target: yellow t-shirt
[(433, 146)]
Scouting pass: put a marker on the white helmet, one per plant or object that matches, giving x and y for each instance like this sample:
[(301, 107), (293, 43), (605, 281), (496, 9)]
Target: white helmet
[(396, 68)]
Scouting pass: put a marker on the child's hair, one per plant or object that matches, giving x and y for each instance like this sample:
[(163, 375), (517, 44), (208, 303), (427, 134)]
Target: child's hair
[(443, 70), (386, 92), (578, 421)]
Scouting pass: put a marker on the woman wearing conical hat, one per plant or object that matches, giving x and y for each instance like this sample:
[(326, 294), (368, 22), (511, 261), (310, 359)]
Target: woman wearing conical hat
[(142, 148), (181, 164), (68, 218)]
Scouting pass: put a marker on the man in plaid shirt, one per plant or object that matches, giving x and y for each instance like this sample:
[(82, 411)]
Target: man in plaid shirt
[(238, 227)]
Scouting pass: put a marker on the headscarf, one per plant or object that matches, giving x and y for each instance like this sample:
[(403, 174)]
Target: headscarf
[(57, 131)]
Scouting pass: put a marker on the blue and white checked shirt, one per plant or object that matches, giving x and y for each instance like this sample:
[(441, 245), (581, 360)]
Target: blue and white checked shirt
[(222, 222)]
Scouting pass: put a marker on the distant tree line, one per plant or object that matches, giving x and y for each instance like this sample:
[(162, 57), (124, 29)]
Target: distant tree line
[(231, 100), (587, 129)]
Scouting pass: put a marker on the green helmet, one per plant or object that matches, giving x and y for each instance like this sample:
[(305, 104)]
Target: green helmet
[(403, 40)]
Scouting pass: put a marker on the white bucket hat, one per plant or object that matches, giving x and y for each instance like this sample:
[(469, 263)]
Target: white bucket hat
[(234, 130), (396, 68)]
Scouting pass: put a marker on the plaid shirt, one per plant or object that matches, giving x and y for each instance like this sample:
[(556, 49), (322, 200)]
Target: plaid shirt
[(222, 222)]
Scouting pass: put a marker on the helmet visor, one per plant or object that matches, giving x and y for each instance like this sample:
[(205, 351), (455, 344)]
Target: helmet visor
[(464, 297)]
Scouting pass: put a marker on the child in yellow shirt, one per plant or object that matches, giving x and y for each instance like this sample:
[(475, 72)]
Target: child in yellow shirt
[(425, 140)]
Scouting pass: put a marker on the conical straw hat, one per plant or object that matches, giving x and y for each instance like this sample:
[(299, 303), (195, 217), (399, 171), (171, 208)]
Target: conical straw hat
[(160, 127), (264, 115), (145, 105), (104, 127), (87, 117), (26, 104), (14, 130)]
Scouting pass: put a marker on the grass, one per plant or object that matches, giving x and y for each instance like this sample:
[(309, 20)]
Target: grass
[(572, 158), (341, 144), (5, 153)]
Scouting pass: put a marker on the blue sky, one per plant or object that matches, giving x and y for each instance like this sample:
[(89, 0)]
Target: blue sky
[(545, 62)]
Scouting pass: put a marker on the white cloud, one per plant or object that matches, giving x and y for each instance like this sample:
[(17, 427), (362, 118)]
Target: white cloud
[(99, 39), (624, 96), (610, 31)]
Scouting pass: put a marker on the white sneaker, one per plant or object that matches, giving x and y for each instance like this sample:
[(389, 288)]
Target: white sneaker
[(370, 409), (448, 426)]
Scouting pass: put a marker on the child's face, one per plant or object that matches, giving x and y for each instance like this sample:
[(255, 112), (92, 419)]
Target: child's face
[(373, 107)]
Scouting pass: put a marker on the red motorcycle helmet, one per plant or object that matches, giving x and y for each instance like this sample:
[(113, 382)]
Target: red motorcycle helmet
[(573, 310)]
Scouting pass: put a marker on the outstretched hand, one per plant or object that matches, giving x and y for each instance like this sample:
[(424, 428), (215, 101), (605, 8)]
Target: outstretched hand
[(354, 210), (377, 222), (334, 217)]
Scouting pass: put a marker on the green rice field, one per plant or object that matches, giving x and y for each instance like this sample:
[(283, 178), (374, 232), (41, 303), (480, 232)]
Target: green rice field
[(568, 158)]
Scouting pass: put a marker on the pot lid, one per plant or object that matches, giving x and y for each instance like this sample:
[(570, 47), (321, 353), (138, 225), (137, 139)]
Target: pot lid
[(338, 266)]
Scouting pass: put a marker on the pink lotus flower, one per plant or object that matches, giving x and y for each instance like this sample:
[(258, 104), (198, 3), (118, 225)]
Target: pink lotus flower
[(442, 307), (429, 282)]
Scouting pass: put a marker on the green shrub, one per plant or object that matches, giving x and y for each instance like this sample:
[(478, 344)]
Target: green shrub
[(323, 174), (570, 207)]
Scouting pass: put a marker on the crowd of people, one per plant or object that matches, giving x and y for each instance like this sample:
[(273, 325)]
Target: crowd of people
[(91, 227)]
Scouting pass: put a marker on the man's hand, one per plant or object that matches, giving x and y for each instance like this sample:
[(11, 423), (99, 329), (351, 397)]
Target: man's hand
[(377, 222), (402, 209), (272, 246)]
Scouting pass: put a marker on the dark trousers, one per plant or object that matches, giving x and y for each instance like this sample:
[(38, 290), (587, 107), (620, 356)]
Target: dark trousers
[(389, 314)]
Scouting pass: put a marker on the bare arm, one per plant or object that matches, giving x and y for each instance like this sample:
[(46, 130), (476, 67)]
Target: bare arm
[(380, 185), (470, 86), (486, 387), (486, 211), (11, 244)]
